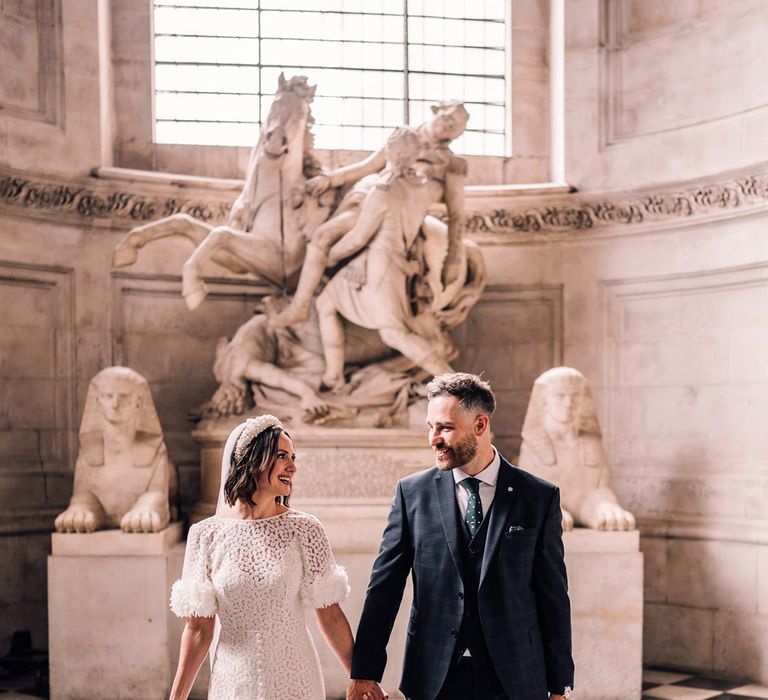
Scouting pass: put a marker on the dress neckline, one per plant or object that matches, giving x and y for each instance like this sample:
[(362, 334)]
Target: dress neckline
[(253, 520)]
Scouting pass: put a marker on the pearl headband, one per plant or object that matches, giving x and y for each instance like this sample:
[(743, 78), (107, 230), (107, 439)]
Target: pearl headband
[(253, 427)]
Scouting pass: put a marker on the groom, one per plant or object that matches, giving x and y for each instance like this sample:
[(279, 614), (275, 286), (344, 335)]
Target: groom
[(482, 541)]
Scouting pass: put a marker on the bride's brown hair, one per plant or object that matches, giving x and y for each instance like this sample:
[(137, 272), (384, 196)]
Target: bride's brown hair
[(260, 456)]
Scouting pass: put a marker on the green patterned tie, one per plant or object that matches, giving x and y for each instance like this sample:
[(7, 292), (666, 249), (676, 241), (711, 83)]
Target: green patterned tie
[(474, 515)]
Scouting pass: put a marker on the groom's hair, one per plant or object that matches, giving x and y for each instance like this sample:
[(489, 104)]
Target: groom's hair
[(259, 457), (472, 391)]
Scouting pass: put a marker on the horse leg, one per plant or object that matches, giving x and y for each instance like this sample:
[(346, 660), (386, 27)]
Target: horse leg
[(256, 254), (127, 251)]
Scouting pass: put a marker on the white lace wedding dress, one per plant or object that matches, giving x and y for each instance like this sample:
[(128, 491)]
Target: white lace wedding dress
[(259, 576)]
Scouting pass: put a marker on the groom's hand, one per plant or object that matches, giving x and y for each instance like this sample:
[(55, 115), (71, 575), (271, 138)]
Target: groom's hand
[(365, 690)]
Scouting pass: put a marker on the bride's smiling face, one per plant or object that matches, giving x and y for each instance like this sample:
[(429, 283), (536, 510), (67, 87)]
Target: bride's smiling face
[(278, 480)]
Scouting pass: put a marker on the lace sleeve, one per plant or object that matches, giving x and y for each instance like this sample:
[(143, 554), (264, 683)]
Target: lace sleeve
[(324, 582), (193, 595)]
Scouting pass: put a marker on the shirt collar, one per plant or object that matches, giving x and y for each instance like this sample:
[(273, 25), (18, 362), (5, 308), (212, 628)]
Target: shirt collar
[(489, 475)]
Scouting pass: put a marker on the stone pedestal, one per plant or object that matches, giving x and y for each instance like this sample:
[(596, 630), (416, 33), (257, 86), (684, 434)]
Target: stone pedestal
[(605, 581), (111, 633)]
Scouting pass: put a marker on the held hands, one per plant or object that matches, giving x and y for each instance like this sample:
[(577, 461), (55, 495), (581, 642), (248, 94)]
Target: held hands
[(365, 690)]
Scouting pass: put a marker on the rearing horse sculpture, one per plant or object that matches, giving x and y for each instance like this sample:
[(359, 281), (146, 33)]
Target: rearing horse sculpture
[(266, 229)]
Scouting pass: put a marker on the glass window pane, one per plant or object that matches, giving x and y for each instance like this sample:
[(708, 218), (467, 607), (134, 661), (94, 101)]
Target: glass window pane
[(206, 78), (218, 62), (208, 107), (172, 49), (206, 22)]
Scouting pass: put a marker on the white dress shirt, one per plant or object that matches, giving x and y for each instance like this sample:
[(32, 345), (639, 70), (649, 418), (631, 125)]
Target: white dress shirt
[(487, 479)]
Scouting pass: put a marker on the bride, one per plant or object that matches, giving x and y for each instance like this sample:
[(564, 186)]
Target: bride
[(257, 564)]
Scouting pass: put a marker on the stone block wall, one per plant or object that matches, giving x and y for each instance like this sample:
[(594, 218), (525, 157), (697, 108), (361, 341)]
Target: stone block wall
[(706, 606)]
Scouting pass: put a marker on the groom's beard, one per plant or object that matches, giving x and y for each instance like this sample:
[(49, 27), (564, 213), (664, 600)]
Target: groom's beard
[(459, 454)]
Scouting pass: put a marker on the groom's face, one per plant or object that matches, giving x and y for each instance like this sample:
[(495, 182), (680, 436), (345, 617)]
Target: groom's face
[(451, 433)]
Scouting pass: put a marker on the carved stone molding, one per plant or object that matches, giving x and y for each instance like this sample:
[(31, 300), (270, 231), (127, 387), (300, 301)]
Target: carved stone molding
[(577, 213), (506, 216), (121, 205)]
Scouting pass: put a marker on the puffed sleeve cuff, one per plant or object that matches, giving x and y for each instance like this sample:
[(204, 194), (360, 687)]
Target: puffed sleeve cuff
[(193, 599), (332, 587)]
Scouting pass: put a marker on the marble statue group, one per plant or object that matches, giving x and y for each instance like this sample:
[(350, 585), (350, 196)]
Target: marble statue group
[(368, 284)]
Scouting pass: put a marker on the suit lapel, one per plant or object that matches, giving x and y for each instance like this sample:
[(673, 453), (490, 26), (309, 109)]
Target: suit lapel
[(445, 487), (502, 504)]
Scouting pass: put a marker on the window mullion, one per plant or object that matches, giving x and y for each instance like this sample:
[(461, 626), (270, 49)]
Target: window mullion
[(406, 91)]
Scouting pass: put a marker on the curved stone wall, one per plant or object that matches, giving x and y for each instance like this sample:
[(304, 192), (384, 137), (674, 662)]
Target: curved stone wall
[(659, 91)]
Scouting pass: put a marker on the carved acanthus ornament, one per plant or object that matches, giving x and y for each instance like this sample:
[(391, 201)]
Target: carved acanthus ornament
[(74, 200), (124, 203), (576, 212)]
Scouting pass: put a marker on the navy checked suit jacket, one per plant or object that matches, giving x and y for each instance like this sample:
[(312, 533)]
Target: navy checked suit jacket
[(523, 592)]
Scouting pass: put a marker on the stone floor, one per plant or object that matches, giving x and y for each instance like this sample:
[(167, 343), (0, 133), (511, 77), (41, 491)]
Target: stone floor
[(657, 683), (668, 685)]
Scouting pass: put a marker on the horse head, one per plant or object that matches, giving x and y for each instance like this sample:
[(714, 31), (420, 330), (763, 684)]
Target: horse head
[(285, 130)]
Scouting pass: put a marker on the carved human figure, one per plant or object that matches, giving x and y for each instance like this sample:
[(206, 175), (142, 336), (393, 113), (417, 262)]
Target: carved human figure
[(271, 357), (444, 178), (372, 289), (123, 476), (562, 443), (271, 367)]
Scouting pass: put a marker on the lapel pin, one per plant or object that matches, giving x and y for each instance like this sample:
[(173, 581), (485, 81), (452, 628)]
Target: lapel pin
[(509, 488)]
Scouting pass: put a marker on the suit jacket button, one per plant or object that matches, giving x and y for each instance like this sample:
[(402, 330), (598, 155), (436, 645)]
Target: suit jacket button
[(461, 595), (454, 633)]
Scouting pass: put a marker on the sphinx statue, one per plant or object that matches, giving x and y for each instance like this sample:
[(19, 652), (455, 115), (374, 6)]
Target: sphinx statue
[(562, 443), (123, 477)]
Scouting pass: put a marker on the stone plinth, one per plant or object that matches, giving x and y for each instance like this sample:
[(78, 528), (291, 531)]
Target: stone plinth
[(605, 581), (111, 633)]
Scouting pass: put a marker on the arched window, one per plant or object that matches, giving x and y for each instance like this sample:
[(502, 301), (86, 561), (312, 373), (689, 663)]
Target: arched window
[(377, 63)]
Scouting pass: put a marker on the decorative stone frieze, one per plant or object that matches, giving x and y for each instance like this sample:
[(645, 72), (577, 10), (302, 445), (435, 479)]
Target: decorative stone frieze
[(122, 203), (574, 213)]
